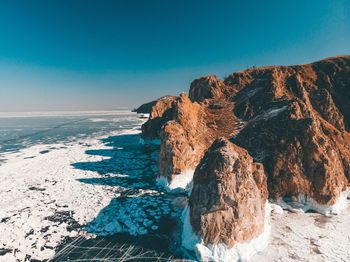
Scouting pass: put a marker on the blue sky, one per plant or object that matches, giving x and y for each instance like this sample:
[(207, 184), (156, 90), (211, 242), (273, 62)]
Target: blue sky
[(80, 55)]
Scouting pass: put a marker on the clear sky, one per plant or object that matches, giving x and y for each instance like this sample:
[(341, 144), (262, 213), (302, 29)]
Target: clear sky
[(80, 55)]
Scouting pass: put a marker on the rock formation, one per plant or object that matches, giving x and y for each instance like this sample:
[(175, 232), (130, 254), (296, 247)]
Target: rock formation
[(145, 108), (161, 112), (227, 203), (295, 120)]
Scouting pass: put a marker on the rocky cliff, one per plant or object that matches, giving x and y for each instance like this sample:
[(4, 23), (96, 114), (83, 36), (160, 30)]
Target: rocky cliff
[(294, 120), (227, 203)]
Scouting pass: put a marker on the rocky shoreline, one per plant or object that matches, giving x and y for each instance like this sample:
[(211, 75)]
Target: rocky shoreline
[(277, 133)]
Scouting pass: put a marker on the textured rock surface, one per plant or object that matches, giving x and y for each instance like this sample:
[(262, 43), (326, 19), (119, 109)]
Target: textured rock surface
[(161, 112), (227, 203), (188, 131), (296, 120), (293, 119)]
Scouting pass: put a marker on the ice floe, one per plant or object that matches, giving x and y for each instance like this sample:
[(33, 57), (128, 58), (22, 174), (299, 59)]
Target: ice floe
[(43, 199)]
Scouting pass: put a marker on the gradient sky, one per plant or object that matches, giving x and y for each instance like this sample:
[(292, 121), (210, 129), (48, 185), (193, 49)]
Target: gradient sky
[(80, 55)]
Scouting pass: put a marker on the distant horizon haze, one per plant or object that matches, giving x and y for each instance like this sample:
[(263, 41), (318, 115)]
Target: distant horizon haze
[(102, 55)]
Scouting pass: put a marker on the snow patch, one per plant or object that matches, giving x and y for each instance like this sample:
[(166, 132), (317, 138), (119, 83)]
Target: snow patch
[(98, 120), (143, 115), (268, 114), (303, 203), (239, 252), (277, 209), (246, 94), (308, 237), (179, 183)]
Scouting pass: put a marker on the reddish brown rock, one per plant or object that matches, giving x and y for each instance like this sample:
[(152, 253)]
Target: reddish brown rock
[(293, 119), (208, 87), (296, 125), (193, 128), (161, 112), (228, 199)]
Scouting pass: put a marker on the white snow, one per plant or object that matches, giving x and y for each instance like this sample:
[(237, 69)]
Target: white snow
[(66, 113), (179, 183), (308, 237), (35, 186), (246, 94), (268, 114), (143, 115), (303, 203), (220, 252), (99, 120), (277, 209), (25, 229)]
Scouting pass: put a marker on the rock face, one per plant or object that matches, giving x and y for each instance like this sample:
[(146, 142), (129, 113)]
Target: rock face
[(161, 112), (187, 129), (294, 120), (145, 108), (296, 125), (227, 203)]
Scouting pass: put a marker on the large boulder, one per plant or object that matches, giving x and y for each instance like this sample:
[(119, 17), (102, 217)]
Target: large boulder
[(207, 87), (227, 204)]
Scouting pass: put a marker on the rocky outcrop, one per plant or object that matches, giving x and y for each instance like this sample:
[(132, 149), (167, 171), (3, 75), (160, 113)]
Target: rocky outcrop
[(188, 135), (296, 126), (227, 203), (145, 108), (229, 195), (294, 120), (161, 112)]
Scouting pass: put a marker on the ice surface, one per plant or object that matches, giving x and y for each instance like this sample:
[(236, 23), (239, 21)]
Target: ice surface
[(179, 183), (308, 237), (304, 203), (43, 200), (47, 197), (65, 113)]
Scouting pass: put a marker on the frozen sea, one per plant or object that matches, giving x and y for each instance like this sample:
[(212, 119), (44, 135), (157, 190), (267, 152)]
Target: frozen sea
[(78, 186), (22, 130)]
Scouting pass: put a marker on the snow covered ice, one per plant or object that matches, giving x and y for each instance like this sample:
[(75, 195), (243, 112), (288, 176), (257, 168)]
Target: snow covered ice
[(93, 186), (97, 186)]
